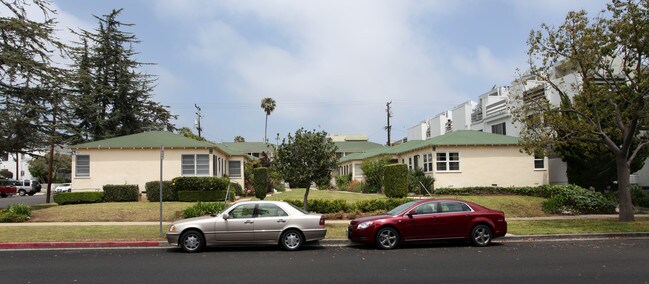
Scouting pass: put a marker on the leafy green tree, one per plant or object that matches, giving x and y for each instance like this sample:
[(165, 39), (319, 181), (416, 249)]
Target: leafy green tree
[(112, 96), (268, 104), (38, 167), (307, 157), (239, 139), (608, 57), (187, 132)]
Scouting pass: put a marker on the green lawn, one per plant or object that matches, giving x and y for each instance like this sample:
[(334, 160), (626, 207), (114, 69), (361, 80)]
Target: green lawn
[(324, 194), (583, 226)]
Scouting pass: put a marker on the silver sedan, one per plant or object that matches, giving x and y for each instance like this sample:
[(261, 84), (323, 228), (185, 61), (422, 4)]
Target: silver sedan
[(249, 222)]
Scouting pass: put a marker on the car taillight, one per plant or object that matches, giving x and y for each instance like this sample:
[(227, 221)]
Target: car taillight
[(322, 221)]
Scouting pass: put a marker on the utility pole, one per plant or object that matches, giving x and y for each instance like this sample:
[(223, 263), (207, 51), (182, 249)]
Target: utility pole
[(388, 127), (197, 122)]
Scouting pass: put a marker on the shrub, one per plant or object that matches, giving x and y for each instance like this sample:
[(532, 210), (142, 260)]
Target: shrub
[(279, 186), (11, 217), (359, 186), (342, 182), (538, 191), (383, 205), (121, 192), (153, 191), (323, 206), (200, 183), (15, 213), (396, 180), (194, 196), (20, 209), (639, 196), (203, 208), (78, 197), (374, 175), (260, 183), (416, 178), (236, 188), (572, 199)]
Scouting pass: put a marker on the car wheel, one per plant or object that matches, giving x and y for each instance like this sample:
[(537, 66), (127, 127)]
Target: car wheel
[(387, 238), (291, 240), (481, 235), (192, 241), (3, 195), (22, 192)]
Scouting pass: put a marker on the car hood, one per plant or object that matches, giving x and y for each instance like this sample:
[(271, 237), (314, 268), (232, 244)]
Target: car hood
[(370, 218), (195, 220)]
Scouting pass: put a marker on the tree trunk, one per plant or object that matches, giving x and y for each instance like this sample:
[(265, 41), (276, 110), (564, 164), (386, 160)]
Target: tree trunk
[(266, 129), (306, 197), (624, 191)]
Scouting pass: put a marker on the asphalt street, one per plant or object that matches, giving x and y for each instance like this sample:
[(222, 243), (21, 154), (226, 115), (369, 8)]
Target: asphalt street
[(605, 261), (38, 198)]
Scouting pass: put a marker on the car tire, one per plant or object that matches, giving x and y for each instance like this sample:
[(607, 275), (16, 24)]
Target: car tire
[(192, 241), (387, 238), (291, 240), (22, 192), (481, 235)]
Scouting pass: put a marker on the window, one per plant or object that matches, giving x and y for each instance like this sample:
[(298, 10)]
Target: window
[(427, 208), (242, 211), (499, 128), (428, 163), (198, 165), (234, 168), (270, 210), (449, 161), (82, 168), (448, 207), (410, 163), (539, 162), (357, 170)]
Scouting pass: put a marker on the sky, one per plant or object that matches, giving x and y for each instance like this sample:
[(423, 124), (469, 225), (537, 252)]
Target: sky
[(329, 65)]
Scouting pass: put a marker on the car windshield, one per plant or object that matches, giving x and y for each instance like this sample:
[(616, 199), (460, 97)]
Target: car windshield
[(399, 209)]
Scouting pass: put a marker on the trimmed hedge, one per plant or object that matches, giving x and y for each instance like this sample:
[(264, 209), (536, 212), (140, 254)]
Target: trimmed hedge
[(153, 191), (236, 188), (328, 206), (78, 197), (121, 193), (260, 183), (323, 206), (395, 180), (194, 196), (200, 183), (538, 191)]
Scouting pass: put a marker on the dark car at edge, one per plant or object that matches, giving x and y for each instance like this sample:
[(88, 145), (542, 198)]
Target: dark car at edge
[(427, 220)]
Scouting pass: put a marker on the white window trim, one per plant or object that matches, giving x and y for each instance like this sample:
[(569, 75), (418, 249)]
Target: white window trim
[(428, 162), (195, 163), (448, 156), (76, 166), (544, 164)]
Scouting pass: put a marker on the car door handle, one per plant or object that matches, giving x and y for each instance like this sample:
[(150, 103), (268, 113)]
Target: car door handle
[(248, 222), (281, 221)]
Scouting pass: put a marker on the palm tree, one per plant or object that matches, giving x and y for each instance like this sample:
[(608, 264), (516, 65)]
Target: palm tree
[(268, 104)]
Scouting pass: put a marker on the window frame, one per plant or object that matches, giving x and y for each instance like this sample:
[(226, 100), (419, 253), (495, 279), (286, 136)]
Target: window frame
[(536, 160), (196, 163), (428, 162), (77, 166), (447, 162)]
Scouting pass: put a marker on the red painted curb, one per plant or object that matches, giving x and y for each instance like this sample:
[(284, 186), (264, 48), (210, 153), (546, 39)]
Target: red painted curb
[(81, 244)]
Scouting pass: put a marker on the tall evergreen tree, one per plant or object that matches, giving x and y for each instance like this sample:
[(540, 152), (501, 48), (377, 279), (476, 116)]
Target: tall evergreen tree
[(31, 85), (113, 96)]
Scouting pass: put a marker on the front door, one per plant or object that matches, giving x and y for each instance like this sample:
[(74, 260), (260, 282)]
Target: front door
[(423, 224), (239, 227)]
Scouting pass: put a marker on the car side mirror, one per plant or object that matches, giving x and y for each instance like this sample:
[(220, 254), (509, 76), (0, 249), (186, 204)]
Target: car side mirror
[(225, 216), (412, 212)]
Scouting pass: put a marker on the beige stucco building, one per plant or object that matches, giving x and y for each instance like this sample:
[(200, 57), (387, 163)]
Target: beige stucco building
[(461, 158)]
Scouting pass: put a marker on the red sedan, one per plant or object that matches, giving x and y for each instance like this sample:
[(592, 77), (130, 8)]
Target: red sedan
[(430, 219)]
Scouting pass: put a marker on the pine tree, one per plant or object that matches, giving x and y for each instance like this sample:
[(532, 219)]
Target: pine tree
[(112, 95)]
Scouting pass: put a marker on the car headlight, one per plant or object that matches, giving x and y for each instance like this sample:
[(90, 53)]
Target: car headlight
[(172, 228), (364, 225)]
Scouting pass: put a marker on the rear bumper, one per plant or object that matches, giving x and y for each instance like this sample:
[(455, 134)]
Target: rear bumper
[(315, 234)]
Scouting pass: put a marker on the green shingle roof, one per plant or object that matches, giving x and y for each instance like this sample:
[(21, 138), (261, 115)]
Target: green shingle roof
[(149, 139), (246, 147), (355, 146), (455, 138)]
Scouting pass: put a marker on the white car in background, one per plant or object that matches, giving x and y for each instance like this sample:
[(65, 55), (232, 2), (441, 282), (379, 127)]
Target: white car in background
[(64, 187)]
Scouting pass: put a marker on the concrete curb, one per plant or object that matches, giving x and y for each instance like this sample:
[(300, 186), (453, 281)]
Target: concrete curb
[(325, 243)]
